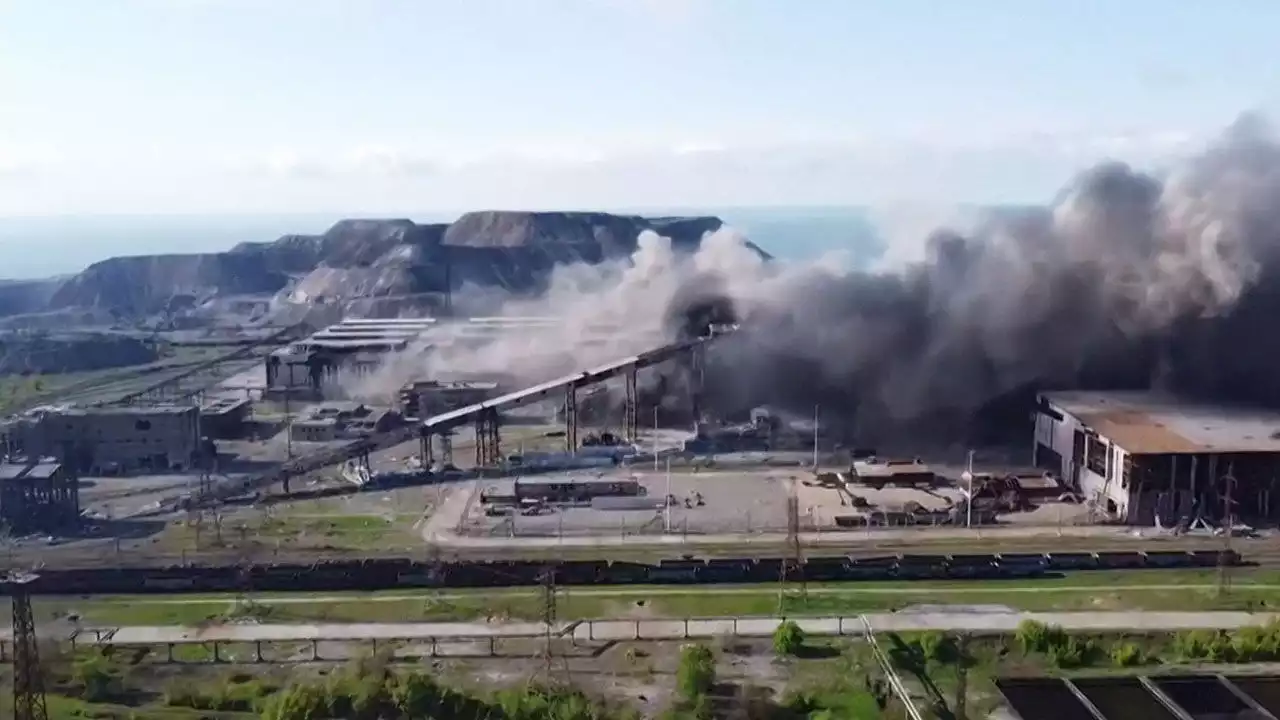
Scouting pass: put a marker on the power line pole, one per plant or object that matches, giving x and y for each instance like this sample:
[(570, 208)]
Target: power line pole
[(815, 439), (28, 680), (1228, 529), (548, 621), (793, 563)]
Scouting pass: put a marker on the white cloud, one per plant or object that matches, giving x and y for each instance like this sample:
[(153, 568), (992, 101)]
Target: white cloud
[(647, 172)]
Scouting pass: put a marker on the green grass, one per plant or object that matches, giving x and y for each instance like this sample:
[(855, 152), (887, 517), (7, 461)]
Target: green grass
[(1118, 590)]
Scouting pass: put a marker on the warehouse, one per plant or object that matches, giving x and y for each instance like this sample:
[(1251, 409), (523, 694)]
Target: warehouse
[(38, 496), (110, 440), (425, 398), (1147, 458), (360, 345)]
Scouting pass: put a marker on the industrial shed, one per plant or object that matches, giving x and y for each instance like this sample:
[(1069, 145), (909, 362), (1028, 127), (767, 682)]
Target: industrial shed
[(1148, 457)]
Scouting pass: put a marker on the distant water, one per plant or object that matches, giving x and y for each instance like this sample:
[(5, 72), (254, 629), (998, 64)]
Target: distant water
[(47, 246)]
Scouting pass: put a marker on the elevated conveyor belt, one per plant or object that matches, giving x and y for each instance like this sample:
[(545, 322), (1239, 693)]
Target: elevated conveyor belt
[(484, 414), (454, 418)]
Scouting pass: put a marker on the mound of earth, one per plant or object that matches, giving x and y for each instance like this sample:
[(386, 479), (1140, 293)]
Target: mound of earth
[(363, 260)]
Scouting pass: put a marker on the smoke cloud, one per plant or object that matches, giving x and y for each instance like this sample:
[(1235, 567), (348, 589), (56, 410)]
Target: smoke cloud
[(1125, 280)]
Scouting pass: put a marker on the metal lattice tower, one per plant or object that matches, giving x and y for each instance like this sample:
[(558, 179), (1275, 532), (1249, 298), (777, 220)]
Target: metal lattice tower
[(28, 680), (548, 620), (793, 564)]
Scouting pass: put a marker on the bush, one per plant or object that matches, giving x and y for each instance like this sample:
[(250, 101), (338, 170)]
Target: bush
[(1071, 653), (788, 639), (939, 647), (96, 679), (696, 674), (1127, 654), (1203, 645), (1036, 637)]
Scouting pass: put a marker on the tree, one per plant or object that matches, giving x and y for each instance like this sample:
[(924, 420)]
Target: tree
[(696, 674), (788, 639)]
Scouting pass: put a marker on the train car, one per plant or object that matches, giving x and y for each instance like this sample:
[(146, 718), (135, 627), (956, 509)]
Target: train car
[(1072, 561), (1022, 565), (820, 569), (1214, 558), (971, 566), (720, 570), (1125, 560), (619, 572), (1167, 559), (871, 568), (921, 567), (676, 572)]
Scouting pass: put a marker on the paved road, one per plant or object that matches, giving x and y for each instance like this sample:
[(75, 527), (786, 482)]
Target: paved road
[(978, 622)]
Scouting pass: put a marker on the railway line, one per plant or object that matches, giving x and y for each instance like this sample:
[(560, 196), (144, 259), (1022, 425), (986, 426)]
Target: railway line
[(407, 573)]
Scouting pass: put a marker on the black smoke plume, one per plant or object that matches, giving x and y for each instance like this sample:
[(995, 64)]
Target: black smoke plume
[(1126, 280)]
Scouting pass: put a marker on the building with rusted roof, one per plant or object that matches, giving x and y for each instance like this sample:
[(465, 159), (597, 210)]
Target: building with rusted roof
[(1147, 457)]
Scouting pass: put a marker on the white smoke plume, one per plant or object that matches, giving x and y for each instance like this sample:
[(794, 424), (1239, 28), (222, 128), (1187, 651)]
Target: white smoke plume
[(1124, 278)]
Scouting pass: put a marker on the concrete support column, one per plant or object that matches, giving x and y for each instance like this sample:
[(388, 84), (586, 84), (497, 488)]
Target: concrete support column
[(571, 419)]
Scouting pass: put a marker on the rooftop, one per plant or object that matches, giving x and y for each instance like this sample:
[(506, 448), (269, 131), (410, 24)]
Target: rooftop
[(131, 410), (1147, 423), (28, 471)]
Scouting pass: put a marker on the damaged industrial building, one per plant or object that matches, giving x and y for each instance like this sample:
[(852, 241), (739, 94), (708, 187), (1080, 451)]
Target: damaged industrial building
[(1152, 459)]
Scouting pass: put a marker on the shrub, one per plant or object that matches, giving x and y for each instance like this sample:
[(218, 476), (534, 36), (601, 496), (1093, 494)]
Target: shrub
[(96, 679), (1206, 645), (696, 673), (939, 647), (1127, 654), (1072, 652), (788, 639), (1036, 637)]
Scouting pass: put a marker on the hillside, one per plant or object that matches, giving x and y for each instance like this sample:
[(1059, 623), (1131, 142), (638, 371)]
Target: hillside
[(363, 260)]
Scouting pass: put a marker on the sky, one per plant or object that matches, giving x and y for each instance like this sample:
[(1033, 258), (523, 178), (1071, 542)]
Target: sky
[(263, 106)]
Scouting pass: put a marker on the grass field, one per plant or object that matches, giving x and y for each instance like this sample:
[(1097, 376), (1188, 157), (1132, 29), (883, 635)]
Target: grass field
[(1101, 590)]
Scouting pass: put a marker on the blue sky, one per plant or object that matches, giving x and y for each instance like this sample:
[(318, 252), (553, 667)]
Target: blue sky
[(186, 106)]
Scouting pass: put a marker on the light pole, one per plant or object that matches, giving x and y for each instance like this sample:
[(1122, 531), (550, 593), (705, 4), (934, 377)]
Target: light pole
[(815, 439), (967, 477), (655, 438), (667, 501)]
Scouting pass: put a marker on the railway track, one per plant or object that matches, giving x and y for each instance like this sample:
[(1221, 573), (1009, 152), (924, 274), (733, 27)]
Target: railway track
[(1263, 552)]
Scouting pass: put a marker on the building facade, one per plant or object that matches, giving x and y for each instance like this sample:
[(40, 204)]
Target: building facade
[(110, 440), (1146, 458), (38, 497)]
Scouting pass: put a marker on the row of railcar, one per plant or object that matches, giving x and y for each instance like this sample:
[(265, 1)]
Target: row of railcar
[(378, 574)]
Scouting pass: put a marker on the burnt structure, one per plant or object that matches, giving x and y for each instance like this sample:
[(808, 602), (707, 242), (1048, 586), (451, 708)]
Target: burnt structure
[(38, 497), (1148, 458), (225, 419), (425, 398), (113, 439)]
